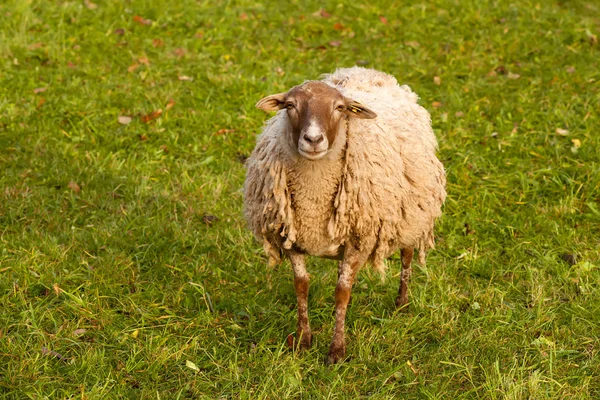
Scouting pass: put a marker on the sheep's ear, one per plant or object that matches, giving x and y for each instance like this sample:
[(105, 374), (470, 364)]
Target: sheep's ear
[(273, 102), (357, 110)]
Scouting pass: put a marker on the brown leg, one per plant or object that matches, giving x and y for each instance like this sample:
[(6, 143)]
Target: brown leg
[(348, 268), (303, 333), (402, 298)]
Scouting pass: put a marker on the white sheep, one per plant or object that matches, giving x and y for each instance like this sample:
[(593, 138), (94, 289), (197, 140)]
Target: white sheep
[(345, 170)]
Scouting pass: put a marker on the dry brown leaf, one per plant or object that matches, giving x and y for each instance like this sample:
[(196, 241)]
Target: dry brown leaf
[(562, 132), (180, 52), (383, 20), (119, 31), (243, 17), (71, 65), (57, 289), (158, 43), (40, 90), (571, 70), (35, 46), (144, 60), (153, 115), (437, 80), (141, 20), (90, 5), (124, 120), (74, 186), (335, 43), (41, 102), (170, 104), (184, 78), (436, 104), (133, 67), (338, 27), (224, 130), (279, 71), (324, 14)]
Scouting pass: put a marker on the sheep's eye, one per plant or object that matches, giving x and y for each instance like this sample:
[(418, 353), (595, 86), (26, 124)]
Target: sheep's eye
[(289, 106), (340, 108)]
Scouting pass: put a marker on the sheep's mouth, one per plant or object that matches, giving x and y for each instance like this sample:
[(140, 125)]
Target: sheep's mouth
[(312, 155)]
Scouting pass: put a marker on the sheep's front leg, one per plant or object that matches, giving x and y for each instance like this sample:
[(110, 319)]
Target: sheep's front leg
[(347, 270), (303, 333), (402, 298)]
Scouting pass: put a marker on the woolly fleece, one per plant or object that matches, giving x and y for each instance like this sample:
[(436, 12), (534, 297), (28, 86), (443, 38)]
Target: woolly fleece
[(381, 186)]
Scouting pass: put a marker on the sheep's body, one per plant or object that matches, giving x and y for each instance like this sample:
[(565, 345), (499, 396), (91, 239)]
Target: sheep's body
[(382, 190)]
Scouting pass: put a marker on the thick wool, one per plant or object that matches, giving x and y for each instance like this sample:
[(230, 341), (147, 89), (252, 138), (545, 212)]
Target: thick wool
[(380, 187)]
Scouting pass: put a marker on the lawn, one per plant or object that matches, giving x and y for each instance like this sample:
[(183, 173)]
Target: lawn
[(127, 270)]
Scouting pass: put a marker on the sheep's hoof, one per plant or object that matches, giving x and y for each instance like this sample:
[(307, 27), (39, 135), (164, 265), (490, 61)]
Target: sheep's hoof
[(336, 354), (304, 340), (401, 304)]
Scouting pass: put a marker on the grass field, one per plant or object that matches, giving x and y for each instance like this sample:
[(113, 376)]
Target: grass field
[(127, 271)]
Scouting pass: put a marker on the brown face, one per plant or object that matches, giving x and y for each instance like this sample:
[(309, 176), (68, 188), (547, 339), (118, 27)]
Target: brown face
[(317, 112)]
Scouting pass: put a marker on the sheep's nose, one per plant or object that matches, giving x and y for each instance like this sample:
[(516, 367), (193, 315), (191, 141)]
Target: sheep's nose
[(313, 139)]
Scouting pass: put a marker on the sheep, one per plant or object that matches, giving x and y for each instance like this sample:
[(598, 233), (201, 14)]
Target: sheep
[(346, 170)]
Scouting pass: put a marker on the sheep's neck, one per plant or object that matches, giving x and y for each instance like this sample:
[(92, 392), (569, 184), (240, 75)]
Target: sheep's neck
[(313, 187)]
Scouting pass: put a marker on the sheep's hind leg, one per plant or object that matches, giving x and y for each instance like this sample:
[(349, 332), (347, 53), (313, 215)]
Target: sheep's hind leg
[(301, 279), (402, 298), (348, 268)]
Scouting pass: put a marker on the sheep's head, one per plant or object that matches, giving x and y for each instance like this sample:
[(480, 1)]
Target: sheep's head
[(317, 114)]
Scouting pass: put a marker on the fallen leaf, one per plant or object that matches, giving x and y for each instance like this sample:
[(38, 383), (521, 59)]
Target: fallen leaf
[(119, 31), (78, 332), (324, 14), (74, 186), (40, 90), (124, 120), (157, 43), (562, 132), (494, 134), (335, 43), (290, 341), (57, 289), (338, 27), (133, 67), (180, 52), (41, 102), (459, 114), (412, 43), (592, 38), (501, 70), (46, 351), (141, 20), (383, 20), (35, 46), (209, 219), (144, 60), (513, 76), (90, 5), (164, 148), (184, 78), (191, 365), (570, 259), (436, 104), (170, 104), (153, 115), (243, 17), (143, 137), (571, 70), (223, 131), (437, 80), (71, 65), (199, 35), (576, 143), (279, 71)]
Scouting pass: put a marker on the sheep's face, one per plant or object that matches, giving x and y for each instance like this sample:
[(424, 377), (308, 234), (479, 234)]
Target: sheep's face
[(317, 114)]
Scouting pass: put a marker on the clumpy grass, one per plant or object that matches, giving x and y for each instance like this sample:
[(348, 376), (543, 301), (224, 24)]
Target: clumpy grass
[(126, 269)]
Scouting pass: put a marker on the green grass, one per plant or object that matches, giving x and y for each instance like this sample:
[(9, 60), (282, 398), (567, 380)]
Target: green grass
[(113, 284)]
